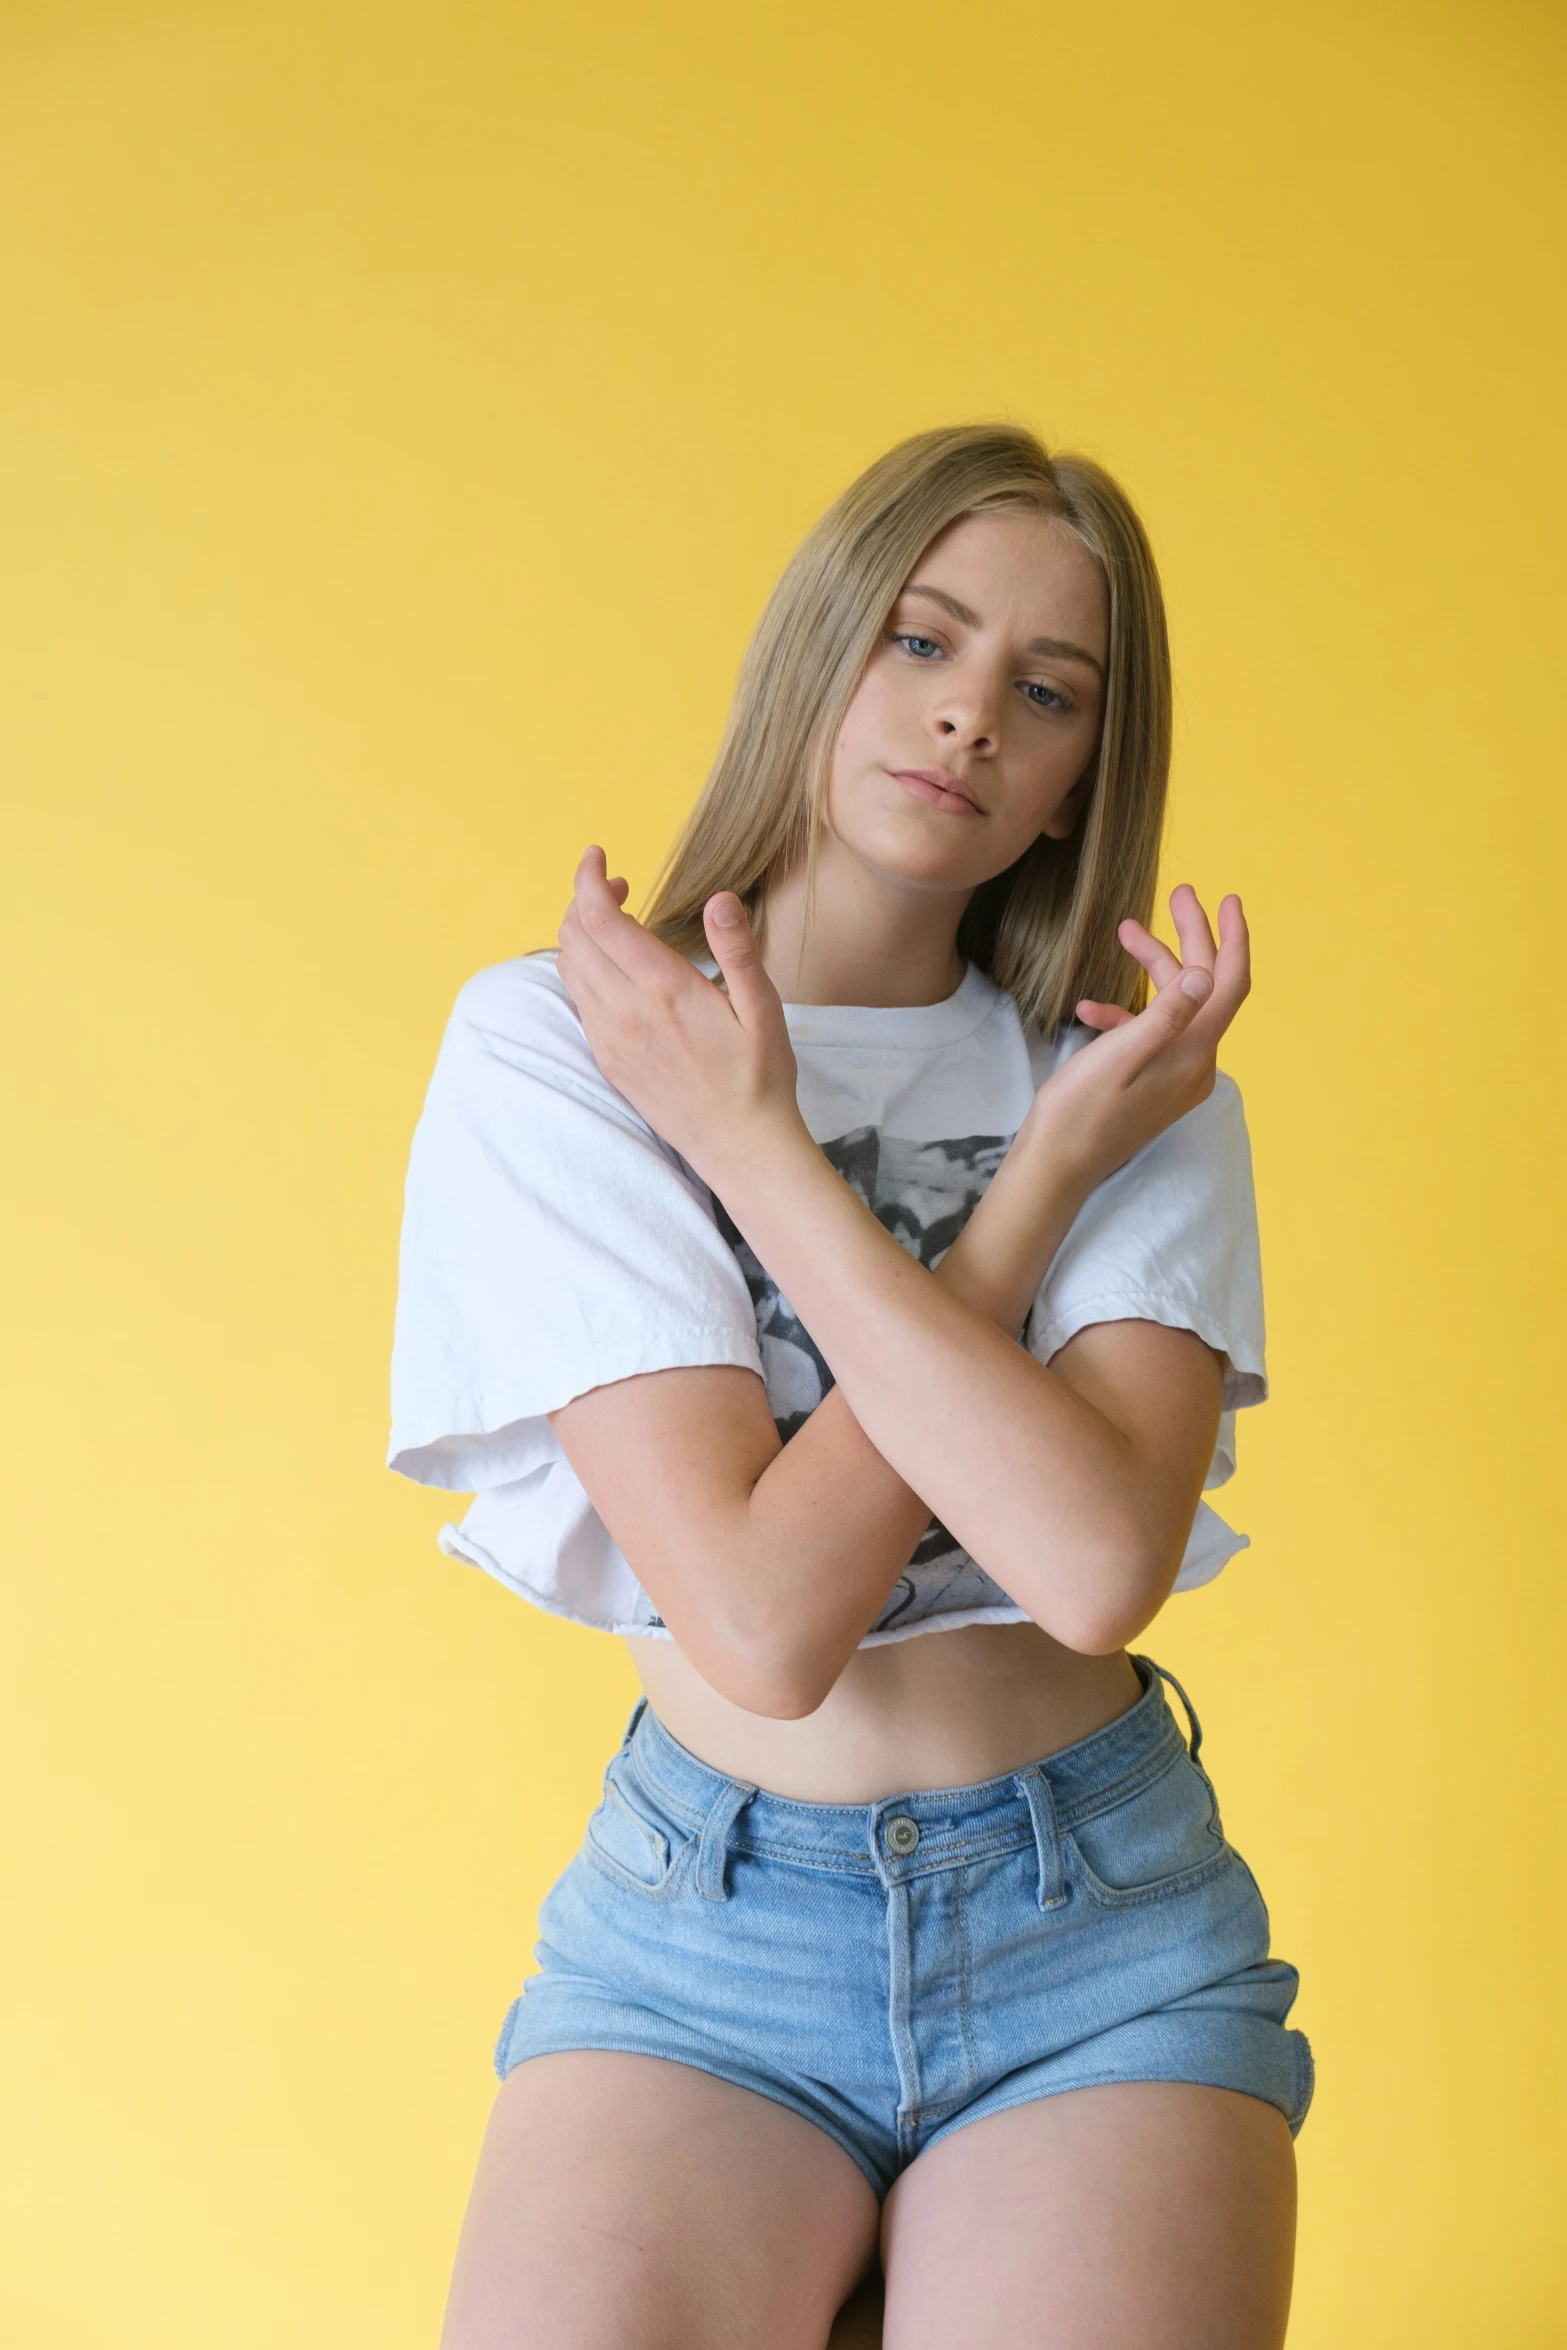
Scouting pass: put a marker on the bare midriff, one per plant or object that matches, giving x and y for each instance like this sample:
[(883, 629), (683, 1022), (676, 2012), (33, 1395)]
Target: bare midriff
[(943, 1709)]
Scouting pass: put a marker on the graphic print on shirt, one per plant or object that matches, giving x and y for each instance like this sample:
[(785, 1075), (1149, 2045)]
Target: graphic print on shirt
[(924, 1193)]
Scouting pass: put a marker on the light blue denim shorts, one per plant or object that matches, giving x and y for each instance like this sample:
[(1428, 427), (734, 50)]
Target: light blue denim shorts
[(895, 1970)]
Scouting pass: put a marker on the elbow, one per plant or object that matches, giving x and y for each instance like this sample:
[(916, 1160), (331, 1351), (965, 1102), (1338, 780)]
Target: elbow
[(744, 1641), (1113, 1599), (762, 1677), (1104, 1633), (790, 1701), (787, 1687), (776, 1694)]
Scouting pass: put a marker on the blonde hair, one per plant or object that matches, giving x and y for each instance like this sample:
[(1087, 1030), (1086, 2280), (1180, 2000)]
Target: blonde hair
[(1045, 928)]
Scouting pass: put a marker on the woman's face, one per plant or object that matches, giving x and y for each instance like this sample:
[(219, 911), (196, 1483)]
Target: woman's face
[(978, 716)]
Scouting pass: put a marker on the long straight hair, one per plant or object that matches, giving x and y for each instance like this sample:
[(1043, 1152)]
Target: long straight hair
[(1045, 928)]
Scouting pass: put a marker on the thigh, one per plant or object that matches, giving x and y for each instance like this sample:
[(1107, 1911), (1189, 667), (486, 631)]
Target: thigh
[(1147, 2212), (628, 2203)]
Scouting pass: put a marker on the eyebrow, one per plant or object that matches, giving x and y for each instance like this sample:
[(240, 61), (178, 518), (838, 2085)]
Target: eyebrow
[(1061, 648)]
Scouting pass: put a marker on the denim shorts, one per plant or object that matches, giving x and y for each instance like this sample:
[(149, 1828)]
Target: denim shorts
[(894, 1970)]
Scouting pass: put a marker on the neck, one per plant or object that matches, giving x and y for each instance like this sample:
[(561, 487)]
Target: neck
[(863, 939)]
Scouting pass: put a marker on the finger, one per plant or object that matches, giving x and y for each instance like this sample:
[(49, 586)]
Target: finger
[(1191, 927), (638, 954), (591, 883), (1233, 968), (1102, 1016), (1231, 971), (595, 900), (585, 967), (739, 958), (1155, 957), (1168, 1017)]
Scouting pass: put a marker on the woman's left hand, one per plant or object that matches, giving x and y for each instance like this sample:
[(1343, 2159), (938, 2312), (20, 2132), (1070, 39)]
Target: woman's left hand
[(712, 1073), (1151, 1067)]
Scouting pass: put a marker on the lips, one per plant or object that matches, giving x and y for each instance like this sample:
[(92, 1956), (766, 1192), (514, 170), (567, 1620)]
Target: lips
[(938, 789)]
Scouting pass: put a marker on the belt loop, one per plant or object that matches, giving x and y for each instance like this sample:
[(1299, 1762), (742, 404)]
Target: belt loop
[(1194, 1744), (713, 1849), (1035, 1789)]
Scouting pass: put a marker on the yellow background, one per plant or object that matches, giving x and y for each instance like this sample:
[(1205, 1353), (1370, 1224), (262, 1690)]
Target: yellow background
[(406, 408)]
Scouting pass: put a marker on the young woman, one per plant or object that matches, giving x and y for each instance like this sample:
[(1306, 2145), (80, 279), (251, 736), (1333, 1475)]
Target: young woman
[(840, 1287)]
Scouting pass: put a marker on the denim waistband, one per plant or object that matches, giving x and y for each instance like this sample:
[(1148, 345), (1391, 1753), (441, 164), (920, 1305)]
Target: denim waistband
[(903, 1836)]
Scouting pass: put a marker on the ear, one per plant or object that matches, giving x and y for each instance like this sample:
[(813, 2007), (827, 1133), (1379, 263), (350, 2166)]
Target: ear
[(1064, 822)]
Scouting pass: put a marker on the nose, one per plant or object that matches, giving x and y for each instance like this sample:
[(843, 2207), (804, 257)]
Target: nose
[(966, 715)]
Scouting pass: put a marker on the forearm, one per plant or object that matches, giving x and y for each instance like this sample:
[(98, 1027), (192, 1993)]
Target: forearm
[(1039, 1485), (807, 1563), (830, 1524), (785, 1566), (1000, 1258), (771, 1572)]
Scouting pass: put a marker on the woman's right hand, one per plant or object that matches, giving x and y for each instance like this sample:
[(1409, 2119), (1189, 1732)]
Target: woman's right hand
[(1147, 1069), (711, 1069)]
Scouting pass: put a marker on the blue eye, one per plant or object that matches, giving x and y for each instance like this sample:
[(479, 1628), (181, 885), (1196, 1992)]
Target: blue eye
[(920, 647), (1046, 697)]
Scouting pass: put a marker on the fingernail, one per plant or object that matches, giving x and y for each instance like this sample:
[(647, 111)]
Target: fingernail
[(1196, 983), (726, 912)]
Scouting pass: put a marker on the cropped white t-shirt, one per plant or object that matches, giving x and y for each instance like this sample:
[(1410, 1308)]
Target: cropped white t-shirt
[(552, 1243)]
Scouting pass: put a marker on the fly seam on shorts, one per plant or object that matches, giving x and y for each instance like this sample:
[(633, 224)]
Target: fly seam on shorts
[(712, 1852), (900, 1982), (965, 1989), (1034, 1788)]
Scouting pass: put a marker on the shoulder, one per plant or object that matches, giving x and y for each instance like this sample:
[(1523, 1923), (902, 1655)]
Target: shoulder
[(518, 999), (1205, 1154), (515, 1051), (1217, 1124), (519, 1014), (1191, 1187)]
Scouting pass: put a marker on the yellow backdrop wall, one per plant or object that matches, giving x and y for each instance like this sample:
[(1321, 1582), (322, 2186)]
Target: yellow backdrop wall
[(405, 410)]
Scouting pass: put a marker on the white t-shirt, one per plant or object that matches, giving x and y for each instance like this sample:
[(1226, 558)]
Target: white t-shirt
[(553, 1243)]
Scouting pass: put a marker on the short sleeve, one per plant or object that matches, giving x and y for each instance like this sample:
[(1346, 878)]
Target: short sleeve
[(1172, 1237), (551, 1243)]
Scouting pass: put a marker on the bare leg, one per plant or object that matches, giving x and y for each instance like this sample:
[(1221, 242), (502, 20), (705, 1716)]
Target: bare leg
[(623, 2203), (1148, 2213)]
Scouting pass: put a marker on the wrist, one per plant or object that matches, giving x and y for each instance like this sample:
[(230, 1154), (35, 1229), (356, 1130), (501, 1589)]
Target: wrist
[(1058, 1146), (1004, 1252), (770, 1145)]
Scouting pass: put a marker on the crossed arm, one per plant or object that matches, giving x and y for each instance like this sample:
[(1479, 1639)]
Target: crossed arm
[(1073, 1483)]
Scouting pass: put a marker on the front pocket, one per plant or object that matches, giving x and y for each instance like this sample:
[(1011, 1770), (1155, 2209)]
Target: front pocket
[(629, 1846), (1164, 1839)]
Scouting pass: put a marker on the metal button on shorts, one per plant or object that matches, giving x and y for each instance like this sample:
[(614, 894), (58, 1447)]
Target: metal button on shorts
[(902, 1835)]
